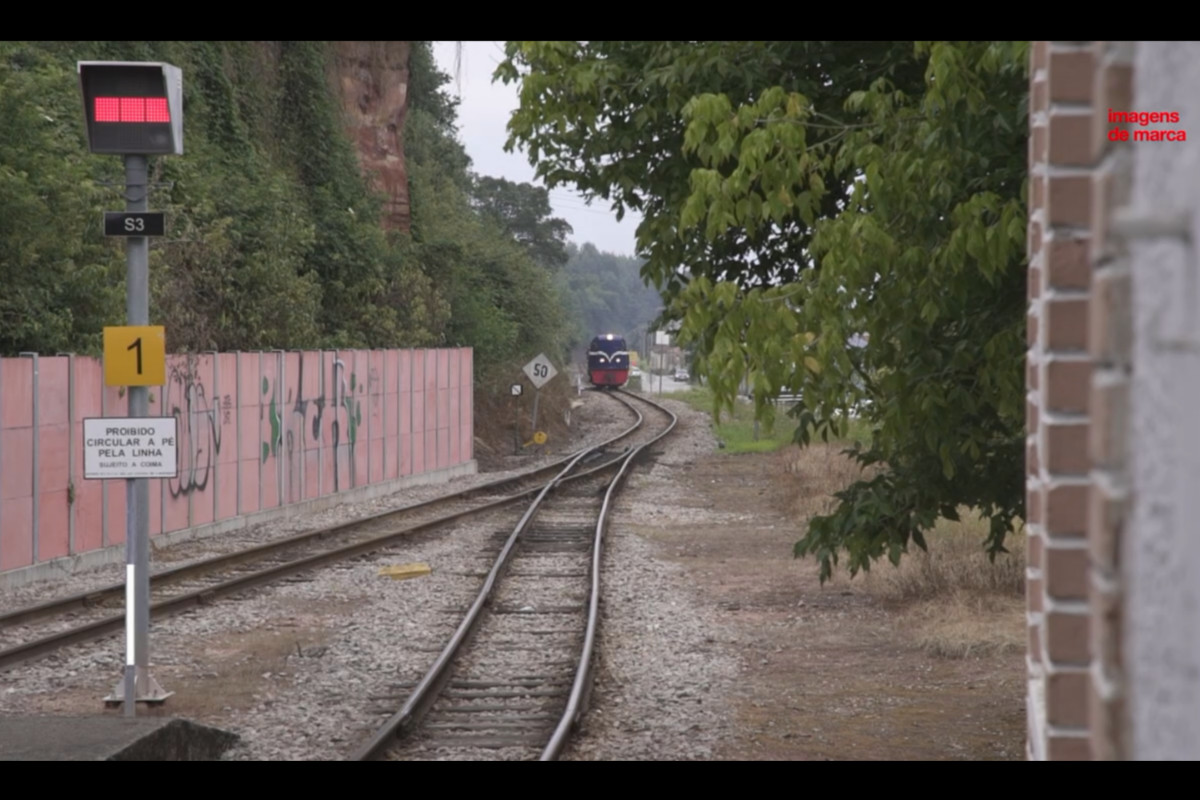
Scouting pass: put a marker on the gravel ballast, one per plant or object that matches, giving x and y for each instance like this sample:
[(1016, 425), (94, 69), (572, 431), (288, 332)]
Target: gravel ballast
[(305, 669)]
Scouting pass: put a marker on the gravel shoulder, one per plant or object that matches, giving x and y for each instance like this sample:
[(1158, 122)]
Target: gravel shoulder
[(715, 643)]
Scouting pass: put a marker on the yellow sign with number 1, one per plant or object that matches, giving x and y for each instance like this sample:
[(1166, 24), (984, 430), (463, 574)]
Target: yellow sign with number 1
[(135, 355)]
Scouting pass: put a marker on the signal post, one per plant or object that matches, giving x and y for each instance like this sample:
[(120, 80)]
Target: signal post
[(134, 110)]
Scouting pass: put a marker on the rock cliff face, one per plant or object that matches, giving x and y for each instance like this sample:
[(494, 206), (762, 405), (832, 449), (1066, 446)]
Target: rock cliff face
[(373, 80)]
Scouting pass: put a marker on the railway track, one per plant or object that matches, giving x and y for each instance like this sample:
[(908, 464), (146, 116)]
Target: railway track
[(514, 678), (33, 632)]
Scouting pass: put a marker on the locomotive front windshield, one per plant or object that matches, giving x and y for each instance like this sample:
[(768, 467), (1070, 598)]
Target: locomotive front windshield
[(608, 351)]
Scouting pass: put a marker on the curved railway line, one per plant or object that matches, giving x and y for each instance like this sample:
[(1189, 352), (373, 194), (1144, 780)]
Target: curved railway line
[(90, 615), (540, 599)]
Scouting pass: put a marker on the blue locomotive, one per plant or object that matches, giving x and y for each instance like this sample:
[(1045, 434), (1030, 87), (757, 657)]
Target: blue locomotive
[(608, 361)]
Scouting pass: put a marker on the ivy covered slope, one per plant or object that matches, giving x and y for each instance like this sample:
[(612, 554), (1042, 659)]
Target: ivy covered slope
[(274, 238), (800, 195)]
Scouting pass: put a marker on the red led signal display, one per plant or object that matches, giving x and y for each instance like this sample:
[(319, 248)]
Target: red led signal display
[(132, 109)]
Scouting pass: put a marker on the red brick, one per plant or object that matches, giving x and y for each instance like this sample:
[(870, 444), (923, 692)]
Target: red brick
[(1068, 386), (1068, 696), (1035, 643), (1067, 262), (1067, 511), (1031, 416), (1070, 139), (1039, 153), (1038, 56), (1113, 92), (1110, 323), (1072, 76), (1066, 324), (1068, 638), (1106, 631), (1066, 449), (1069, 200), (1033, 506), (1107, 724), (1117, 80), (1101, 247), (1034, 243), (1035, 548), (1034, 597), (1039, 96), (1068, 748), (1067, 574), (1032, 463), (1106, 523), (1031, 331), (1109, 428), (1037, 193), (1032, 374)]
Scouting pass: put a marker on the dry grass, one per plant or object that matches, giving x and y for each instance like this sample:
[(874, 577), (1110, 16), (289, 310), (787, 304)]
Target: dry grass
[(952, 600)]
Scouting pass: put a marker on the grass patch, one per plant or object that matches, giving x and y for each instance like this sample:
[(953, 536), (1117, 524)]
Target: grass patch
[(953, 601), (738, 432), (740, 435), (956, 564)]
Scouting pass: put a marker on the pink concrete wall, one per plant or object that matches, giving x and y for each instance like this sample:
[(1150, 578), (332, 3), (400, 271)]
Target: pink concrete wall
[(256, 431)]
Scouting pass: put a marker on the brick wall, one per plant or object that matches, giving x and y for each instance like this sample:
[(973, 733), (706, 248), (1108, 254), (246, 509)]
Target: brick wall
[(1110, 345), (1077, 391)]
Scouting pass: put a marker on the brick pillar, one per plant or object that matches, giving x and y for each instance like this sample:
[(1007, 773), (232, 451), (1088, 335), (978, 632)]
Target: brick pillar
[(1035, 596), (1110, 339), (1059, 376)]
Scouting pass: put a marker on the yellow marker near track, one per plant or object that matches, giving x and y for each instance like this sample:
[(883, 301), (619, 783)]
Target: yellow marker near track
[(403, 572)]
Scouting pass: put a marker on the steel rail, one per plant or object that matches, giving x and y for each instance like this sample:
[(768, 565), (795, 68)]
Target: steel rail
[(95, 630), (96, 596), (577, 702), (426, 691)]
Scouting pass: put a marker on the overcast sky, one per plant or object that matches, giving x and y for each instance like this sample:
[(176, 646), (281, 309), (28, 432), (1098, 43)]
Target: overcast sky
[(482, 116)]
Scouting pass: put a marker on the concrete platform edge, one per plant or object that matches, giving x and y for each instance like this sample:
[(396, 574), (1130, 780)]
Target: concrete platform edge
[(110, 737)]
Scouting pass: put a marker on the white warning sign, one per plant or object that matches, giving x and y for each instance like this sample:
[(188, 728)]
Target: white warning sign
[(129, 447)]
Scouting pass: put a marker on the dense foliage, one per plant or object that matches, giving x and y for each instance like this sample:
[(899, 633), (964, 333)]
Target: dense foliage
[(797, 195), (273, 237)]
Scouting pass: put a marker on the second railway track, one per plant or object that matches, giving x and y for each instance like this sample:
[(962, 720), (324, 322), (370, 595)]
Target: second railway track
[(92, 615)]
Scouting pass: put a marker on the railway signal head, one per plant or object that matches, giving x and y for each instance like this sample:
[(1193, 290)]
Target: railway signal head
[(132, 107)]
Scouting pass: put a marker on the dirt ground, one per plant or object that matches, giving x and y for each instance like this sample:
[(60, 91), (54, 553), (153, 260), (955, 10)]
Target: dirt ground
[(834, 673), (862, 669)]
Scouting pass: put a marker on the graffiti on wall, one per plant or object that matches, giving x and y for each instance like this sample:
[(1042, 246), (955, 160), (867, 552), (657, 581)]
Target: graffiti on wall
[(344, 400), (270, 447), (345, 420), (309, 402), (199, 431)]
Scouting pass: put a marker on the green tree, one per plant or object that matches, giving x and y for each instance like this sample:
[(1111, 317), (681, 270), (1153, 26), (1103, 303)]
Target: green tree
[(797, 195), (523, 211), (60, 281), (480, 240)]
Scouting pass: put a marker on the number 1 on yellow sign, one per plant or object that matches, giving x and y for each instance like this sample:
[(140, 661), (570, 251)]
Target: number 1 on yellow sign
[(135, 355)]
